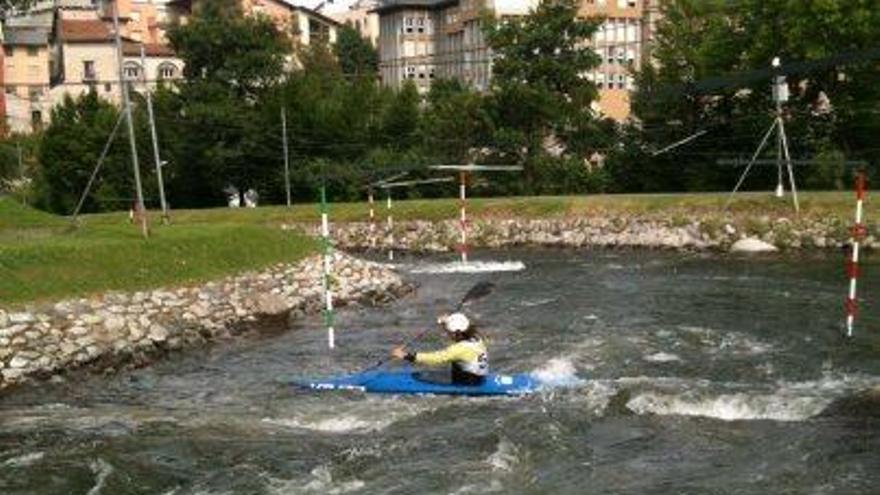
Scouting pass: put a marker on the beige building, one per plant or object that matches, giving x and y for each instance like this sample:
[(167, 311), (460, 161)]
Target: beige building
[(422, 40), (26, 77), (360, 15), (304, 25)]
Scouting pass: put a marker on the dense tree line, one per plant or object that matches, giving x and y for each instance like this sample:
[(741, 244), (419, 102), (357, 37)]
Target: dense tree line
[(712, 72), (220, 127)]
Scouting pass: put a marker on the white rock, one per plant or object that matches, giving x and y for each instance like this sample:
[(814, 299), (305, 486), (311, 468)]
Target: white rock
[(114, 323), (752, 245), (19, 362), (11, 374), (78, 331), (158, 333), (24, 317), (4, 318)]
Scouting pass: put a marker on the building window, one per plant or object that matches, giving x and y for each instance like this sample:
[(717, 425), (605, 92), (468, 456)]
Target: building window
[(37, 119), (108, 87), (10, 89), (411, 72), (132, 71), (167, 71), (32, 51), (89, 73), (35, 92), (8, 51)]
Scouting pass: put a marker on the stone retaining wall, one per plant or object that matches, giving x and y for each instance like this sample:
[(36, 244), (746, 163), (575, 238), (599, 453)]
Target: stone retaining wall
[(647, 232), (124, 328)]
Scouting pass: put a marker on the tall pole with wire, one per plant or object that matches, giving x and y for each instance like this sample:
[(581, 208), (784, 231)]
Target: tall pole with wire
[(126, 108), (154, 137), (286, 154)]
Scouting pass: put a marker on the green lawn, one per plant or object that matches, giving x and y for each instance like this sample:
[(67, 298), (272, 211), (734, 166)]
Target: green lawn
[(840, 204), (42, 257)]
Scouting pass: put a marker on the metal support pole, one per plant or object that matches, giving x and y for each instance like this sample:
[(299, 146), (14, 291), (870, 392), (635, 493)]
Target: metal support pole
[(372, 218), (390, 229), (126, 105), (154, 137), (85, 193), (751, 162), (462, 194), (797, 207), (286, 154)]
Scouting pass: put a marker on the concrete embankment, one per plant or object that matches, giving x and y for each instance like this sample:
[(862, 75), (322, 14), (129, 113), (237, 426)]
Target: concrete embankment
[(120, 329), (716, 233)]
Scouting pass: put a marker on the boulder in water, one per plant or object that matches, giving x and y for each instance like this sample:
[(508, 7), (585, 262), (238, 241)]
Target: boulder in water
[(752, 245)]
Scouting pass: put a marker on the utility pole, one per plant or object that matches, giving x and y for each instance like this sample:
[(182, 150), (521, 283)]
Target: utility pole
[(126, 108), (156, 157), (286, 154)]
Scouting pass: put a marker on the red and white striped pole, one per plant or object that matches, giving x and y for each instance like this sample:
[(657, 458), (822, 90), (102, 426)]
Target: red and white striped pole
[(859, 231), (462, 194), (372, 219)]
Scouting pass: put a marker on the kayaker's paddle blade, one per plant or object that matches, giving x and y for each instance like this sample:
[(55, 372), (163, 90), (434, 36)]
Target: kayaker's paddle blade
[(478, 291)]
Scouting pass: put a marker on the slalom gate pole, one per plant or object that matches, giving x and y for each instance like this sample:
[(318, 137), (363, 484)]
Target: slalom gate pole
[(372, 218), (462, 198), (858, 233), (390, 229), (327, 256)]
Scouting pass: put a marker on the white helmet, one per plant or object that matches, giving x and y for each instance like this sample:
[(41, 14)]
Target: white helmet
[(456, 323)]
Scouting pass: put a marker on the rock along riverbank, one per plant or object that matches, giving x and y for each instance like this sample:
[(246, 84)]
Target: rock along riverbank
[(715, 233), (125, 329)]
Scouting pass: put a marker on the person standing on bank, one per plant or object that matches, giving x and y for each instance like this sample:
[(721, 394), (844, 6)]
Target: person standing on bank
[(467, 355)]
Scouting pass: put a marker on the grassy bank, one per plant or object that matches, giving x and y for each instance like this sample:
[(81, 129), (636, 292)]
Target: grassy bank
[(42, 257), (839, 204)]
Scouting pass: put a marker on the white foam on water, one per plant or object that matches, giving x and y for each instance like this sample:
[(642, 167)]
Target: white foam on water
[(494, 486), (24, 460), (505, 458), (731, 407), (789, 401), (321, 481), (537, 302), (360, 418), (558, 372), (102, 470), (661, 357), (340, 424), (469, 267)]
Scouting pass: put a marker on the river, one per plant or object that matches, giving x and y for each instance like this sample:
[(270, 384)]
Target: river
[(677, 373)]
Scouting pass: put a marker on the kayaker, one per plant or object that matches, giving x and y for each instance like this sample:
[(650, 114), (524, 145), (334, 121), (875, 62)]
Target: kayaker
[(467, 355)]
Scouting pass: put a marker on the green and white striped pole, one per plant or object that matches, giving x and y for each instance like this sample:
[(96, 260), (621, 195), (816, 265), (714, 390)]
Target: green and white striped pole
[(328, 253)]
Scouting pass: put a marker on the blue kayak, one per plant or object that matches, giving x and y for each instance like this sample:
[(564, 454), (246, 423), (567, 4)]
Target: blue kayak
[(407, 381)]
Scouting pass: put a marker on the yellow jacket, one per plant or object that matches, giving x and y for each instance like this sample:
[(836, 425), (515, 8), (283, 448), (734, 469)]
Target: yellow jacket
[(469, 355)]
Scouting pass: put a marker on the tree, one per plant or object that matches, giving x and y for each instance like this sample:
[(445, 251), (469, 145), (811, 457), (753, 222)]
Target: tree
[(356, 55), (832, 112), (455, 122), (233, 63), (539, 89), (69, 151)]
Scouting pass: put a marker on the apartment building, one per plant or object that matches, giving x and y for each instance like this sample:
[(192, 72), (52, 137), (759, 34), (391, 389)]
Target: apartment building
[(304, 25), (26, 67), (422, 40), (360, 15)]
